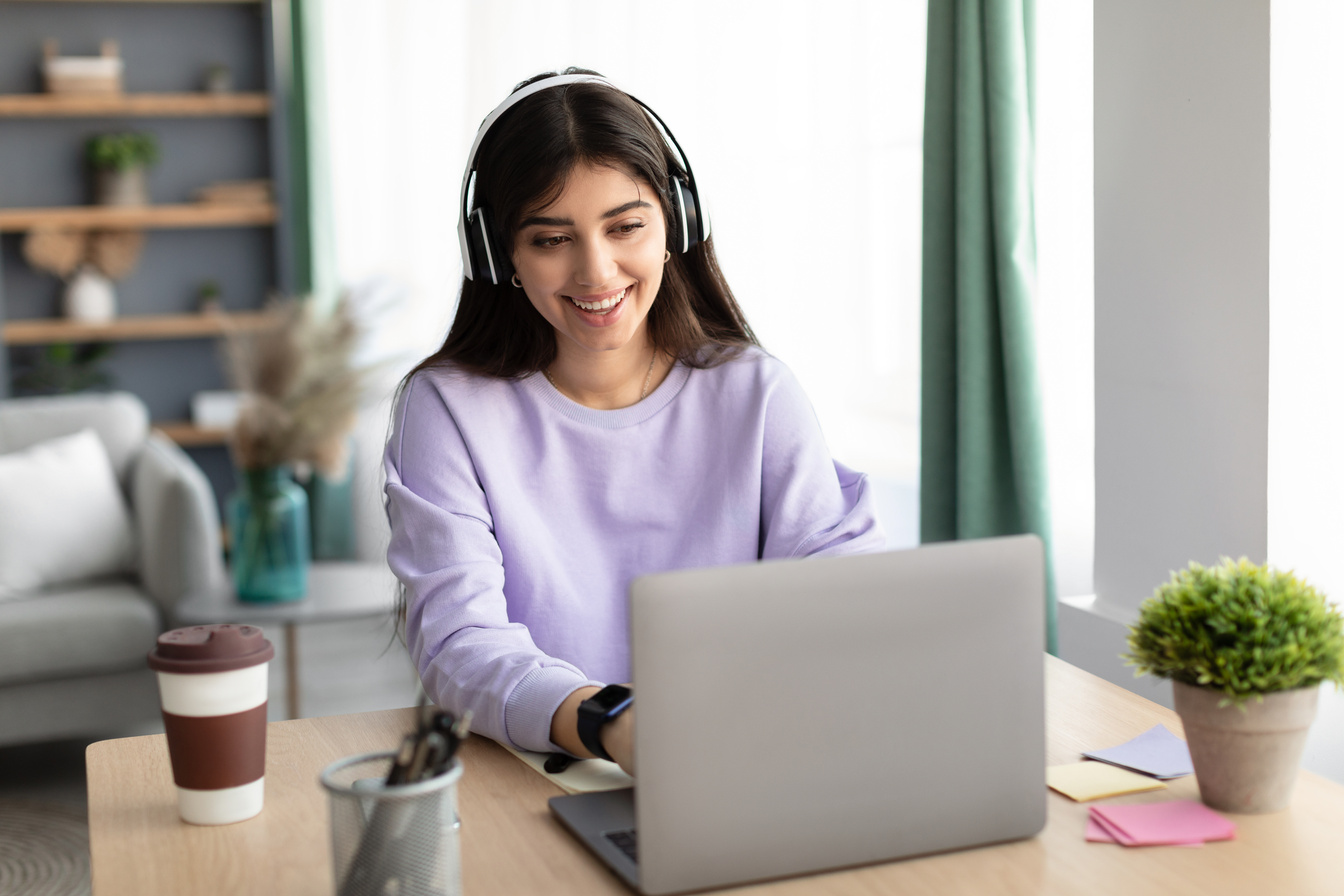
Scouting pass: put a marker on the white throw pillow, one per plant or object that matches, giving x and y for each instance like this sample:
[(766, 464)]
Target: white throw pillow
[(62, 515)]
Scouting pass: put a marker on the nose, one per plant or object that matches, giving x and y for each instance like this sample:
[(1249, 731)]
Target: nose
[(594, 264)]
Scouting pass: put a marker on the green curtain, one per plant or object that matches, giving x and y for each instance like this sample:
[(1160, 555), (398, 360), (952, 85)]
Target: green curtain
[(982, 466), (310, 201), (330, 501)]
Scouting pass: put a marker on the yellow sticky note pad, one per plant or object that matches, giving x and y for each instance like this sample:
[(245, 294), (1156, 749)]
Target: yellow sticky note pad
[(1084, 781)]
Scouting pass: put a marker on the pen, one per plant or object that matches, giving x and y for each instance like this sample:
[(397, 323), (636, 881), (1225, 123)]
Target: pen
[(428, 750), (401, 766), (454, 732)]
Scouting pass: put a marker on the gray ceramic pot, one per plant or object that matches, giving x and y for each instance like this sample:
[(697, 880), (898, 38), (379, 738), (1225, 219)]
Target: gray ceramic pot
[(126, 186), (1246, 761)]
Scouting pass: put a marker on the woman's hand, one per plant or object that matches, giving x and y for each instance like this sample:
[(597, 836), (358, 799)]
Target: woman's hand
[(618, 738)]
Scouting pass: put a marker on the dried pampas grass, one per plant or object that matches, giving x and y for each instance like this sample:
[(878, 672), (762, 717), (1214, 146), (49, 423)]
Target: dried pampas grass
[(301, 392)]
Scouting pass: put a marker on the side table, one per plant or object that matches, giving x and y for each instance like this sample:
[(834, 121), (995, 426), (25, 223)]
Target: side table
[(336, 591)]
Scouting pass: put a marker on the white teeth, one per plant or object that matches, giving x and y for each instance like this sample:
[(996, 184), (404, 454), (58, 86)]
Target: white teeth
[(604, 305)]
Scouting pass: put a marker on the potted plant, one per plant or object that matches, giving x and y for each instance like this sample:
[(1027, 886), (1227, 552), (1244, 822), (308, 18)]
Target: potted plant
[(119, 162), (63, 367), (218, 78), (208, 297), (1246, 648)]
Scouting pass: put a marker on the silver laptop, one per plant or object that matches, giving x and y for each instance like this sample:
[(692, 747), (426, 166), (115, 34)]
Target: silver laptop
[(802, 715)]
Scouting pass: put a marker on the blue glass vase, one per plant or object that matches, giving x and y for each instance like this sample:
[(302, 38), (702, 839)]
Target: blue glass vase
[(268, 522)]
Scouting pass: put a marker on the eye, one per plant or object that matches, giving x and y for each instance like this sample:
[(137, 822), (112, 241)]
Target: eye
[(627, 229), (549, 242)]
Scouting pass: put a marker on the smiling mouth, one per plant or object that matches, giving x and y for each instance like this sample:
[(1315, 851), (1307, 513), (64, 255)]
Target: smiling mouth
[(601, 307)]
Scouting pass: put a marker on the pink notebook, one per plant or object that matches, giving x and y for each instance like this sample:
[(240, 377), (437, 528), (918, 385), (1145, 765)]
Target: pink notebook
[(1180, 822)]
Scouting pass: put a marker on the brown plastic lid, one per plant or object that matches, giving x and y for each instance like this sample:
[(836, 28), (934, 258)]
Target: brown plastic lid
[(201, 649)]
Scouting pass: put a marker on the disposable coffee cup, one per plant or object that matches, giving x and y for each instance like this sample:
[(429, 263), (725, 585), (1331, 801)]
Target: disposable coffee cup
[(212, 687)]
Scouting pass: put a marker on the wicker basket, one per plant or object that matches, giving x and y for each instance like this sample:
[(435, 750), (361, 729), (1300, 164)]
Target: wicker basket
[(82, 74)]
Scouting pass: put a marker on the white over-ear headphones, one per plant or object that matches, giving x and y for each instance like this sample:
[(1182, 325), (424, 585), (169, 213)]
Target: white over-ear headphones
[(482, 257)]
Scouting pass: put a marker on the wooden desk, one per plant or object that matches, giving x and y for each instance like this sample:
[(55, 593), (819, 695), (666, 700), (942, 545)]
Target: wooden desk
[(511, 844)]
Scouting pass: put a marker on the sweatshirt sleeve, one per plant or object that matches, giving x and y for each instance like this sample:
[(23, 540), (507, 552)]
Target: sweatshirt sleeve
[(811, 505), (443, 550)]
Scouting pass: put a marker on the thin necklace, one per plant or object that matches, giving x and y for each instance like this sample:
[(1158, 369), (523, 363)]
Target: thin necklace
[(648, 378)]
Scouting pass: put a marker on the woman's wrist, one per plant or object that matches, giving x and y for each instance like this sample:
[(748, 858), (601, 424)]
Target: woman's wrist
[(600, 711), (565, 723), (617, 736)]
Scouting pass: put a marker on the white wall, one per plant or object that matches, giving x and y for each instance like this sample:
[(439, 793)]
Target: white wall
[(1182, 287), (1181, 166), (1184, 468), (1181, 212)]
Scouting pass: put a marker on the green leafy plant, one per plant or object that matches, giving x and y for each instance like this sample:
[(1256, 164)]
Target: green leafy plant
[(1238, 628), (62, 367), (208, 296), (122, 151)]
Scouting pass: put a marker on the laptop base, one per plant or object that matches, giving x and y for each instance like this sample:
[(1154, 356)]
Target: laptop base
[(591, 817)]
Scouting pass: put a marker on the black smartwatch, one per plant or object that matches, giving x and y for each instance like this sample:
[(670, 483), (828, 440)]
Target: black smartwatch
[(597, 711)]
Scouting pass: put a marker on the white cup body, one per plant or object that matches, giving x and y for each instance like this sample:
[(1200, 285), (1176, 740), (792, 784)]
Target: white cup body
[(234, 703)]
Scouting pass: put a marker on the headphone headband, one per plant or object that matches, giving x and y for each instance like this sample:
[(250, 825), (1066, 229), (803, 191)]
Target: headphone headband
[(692, 219)]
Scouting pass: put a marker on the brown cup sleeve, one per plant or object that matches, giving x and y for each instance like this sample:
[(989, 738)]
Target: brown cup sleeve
[(214, 752)]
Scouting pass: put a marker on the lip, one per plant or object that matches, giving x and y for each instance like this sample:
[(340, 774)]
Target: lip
[(596, 319), (598, 297)]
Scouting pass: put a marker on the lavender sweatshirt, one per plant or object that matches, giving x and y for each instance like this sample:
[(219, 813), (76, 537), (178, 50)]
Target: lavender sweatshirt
[(519, 519)]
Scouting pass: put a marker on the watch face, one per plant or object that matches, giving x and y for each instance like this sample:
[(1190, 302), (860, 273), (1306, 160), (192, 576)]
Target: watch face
[(610, 697)]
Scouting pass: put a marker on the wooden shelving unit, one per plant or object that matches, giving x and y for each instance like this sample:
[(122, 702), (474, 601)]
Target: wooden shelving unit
[(136, 327), (189, 435), (165, 105), (238, 136), (149, 217)]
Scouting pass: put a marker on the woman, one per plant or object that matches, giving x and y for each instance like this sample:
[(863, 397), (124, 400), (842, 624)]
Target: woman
[(600, 410)]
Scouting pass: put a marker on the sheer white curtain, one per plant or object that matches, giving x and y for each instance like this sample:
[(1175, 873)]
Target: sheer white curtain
[(1306, 296), (802, 120), (1064, 264)]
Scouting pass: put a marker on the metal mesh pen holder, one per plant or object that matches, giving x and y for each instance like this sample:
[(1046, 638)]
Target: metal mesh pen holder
[(393, 841)]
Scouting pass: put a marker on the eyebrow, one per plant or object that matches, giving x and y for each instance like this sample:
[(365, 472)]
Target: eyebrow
[(539, 220)]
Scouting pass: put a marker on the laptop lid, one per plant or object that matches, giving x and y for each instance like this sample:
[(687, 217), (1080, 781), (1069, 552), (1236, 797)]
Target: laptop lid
[(800, 715)]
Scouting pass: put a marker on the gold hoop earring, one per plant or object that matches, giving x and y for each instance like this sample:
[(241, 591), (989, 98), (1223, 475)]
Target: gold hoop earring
[(667, 256), (516, 282)]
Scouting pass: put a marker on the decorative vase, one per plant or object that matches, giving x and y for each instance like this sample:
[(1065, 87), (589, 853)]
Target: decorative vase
[(122, 186), (331, 512), (1245, 759), (268, 519), (89, 297)]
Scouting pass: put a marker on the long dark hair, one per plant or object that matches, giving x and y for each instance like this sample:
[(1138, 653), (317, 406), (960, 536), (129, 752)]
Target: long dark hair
[(522, 164)]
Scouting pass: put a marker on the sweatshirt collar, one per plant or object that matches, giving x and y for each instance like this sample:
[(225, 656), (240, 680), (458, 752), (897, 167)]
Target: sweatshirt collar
[(619, 418)]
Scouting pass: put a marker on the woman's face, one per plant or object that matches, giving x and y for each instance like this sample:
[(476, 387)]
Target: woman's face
[(591, 262)]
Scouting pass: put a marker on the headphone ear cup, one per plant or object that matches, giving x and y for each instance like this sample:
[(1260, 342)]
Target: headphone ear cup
[(487, 262), (685, 215)]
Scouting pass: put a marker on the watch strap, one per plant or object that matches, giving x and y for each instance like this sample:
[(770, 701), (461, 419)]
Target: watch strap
[(595, 712)]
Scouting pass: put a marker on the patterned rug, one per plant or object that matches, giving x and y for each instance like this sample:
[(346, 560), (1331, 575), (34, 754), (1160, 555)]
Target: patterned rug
[(44, 850)]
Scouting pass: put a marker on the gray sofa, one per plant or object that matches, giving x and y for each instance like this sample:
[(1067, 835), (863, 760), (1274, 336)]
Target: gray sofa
[(72, 656)]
